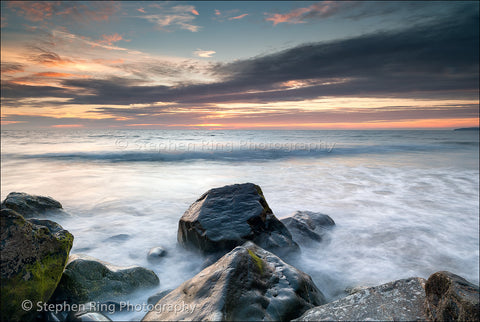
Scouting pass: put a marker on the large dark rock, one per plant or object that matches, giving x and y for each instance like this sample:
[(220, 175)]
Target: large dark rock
[(33, 256), (32, 206), (88, 279), (401, 300), (308, 226), (248, 283), (226, 217), (451, 298)]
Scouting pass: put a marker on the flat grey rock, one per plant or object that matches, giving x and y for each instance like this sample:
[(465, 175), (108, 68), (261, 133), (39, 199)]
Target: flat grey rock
[(401, 300)]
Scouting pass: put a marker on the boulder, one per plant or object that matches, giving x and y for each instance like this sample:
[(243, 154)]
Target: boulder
[(33, 256), (307, 226), (400, 300), (32, 206), (226, 217), (88, 279), (450, 297), (248, 283), (156, 254)]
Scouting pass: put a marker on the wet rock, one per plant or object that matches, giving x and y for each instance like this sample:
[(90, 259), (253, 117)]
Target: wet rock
[(48, 316), (248, 283), (108, 307), (91, 316), (88, 279), (308, 226), (226, 217), (356, 289), (212, 259), (32, 206), (156, 254), (157, 296), (400, 300), (33, 256), (450, 297)]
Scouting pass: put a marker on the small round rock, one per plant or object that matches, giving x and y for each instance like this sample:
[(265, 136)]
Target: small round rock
[(156, 253)]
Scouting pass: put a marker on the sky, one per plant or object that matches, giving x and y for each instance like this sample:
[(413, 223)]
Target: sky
[(239, 64)]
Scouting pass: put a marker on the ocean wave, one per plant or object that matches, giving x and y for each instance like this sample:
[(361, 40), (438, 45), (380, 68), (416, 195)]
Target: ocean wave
[(470, 143), (226, 154)]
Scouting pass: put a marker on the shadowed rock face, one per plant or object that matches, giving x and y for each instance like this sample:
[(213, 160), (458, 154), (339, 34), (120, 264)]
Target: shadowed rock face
[(308, 226), (87, 279), (33, 256), (226, 217), (449, 297), (248, 283), (401, 300), (32, 206)]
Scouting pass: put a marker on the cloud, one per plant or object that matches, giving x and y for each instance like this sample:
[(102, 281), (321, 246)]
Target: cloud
[(58, 75), (238, 17), (110, 39), (275, 114), (59, 36), (68, 126), (204, 53), (12, 68), (34, 11), (142, 10), (423, 61), (232, 14), (47, 58), (14, 91), (177, 17), (47, 10), (322, 9)]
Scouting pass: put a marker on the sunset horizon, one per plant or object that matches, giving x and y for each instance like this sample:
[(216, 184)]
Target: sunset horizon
[(241, 65)]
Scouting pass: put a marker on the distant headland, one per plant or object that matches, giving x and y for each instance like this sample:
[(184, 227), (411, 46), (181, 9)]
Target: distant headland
[(468, 129)]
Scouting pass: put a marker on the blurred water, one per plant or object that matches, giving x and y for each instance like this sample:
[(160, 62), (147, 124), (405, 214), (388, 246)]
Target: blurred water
[(405, 203)]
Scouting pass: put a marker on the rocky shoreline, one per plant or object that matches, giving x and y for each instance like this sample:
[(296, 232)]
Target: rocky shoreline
[(247, 274)]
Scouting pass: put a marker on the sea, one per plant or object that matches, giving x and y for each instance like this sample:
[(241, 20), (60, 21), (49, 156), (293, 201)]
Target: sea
[(405, 203)]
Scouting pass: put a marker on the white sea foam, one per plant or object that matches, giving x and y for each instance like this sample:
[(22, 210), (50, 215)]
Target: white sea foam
[(405, 203)]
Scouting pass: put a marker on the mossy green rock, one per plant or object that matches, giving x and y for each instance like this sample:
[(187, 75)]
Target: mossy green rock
[(34, 254), (88, 279)]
